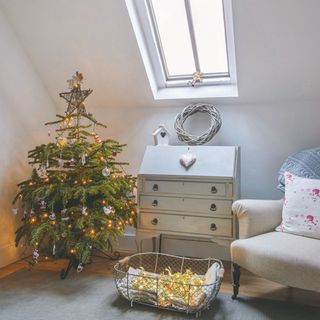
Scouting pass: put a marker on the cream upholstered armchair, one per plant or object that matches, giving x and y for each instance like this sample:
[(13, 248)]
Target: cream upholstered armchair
[(281, 257)]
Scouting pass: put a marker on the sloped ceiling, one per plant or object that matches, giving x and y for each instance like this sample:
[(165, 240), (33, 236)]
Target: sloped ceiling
[(277, 52), (276, 48)]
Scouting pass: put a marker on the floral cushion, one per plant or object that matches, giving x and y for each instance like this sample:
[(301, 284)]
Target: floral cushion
[(301, 208)]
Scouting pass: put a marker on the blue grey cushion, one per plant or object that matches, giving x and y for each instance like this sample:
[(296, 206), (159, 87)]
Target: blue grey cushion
[(305, 163)]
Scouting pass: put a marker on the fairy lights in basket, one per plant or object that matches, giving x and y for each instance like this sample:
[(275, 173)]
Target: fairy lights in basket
[(171, 288)]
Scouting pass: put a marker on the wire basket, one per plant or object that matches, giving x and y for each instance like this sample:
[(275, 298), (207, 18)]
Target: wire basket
[(151, 285)]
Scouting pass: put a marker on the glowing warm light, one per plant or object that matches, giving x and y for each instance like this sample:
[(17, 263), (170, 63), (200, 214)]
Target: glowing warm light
[(72, 250), (92, 231), (30, 183), (69, 226), (103, 201), (33, 219), (45, 215), (75, 181)]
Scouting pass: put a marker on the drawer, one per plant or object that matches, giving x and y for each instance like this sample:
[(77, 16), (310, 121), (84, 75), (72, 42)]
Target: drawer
[(186, 224), (205, 206), (185, 187)]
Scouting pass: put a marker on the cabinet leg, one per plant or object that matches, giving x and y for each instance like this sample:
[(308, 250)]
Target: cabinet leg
[(235, 280), (139, 244), (154, 244)]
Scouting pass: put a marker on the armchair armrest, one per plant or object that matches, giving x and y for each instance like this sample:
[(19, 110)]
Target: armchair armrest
[(257, 216)]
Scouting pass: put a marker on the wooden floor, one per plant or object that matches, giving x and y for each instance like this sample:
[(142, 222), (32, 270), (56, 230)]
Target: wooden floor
[(251, 285)]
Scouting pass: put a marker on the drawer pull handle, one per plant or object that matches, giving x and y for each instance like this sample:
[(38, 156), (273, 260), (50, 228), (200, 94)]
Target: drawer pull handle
[(155, 203), (154, 221), (213, 207), (213, 227), (155, 187), (214, 189)]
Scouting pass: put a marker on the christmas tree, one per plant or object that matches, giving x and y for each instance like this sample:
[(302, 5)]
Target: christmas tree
[(78, 198)]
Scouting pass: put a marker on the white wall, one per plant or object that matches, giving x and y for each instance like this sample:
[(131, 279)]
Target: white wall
[(266, 133), (24, 106), (277, 60)]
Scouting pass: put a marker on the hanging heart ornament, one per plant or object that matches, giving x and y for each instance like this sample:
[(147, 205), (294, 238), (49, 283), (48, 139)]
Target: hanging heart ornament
[(187, 160)]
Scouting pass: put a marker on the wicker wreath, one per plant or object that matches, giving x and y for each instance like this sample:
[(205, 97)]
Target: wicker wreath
[(190, 110)]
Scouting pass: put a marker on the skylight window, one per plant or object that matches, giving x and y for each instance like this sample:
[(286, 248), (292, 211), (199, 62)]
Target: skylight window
[(187, 46)]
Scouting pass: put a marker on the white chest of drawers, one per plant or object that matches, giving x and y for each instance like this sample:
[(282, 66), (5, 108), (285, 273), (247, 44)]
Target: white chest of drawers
[(194, 202)]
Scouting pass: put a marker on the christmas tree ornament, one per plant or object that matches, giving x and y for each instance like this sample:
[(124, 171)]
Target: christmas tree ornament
[(76, 81), (61, 142), (114, 153), (47, 163), (43, 205), (52, 216), (80, 267), (35, 255), (130, 195), (108, 210), (14, 211), (64, 215), (72, 142), (61, 163), (49, 133), (93, 133), (97, 139), (42, 172), (83, 159), (72, 162), (84, 211), (106, 172), (54, 249)]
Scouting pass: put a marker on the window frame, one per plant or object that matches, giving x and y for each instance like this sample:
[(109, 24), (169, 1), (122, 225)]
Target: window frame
[(175, 87)]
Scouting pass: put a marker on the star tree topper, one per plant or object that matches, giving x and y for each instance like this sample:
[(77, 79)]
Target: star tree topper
[(76, 96)]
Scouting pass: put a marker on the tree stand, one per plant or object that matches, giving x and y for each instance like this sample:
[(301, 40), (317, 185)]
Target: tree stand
[(64, 272), (73, 263), (235, 280)]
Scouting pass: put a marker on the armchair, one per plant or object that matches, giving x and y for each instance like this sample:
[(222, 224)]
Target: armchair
[(281, 257)]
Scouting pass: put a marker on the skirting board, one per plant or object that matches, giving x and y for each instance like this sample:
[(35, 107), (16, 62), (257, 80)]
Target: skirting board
[(176, 245), (8, 254)]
